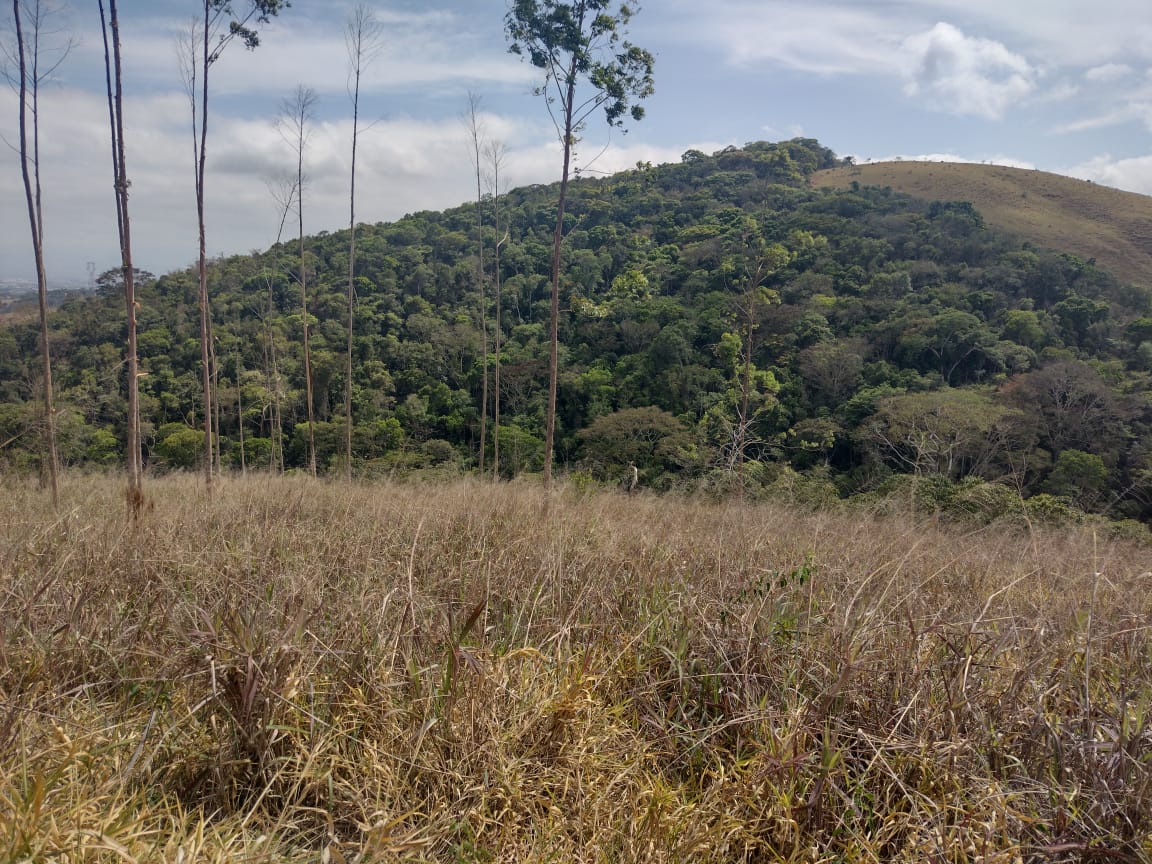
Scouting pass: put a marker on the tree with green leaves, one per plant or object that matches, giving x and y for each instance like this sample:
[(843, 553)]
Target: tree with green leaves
[(222, 24), (587, 65)]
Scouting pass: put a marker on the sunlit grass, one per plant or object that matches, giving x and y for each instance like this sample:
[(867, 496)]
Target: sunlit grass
[(299, 671)]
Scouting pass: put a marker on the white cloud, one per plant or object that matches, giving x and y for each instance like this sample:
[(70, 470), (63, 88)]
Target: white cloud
[(1132, 175), (965, 75), (1108, 72), (1064, 32), (404, 165), (808, 37)]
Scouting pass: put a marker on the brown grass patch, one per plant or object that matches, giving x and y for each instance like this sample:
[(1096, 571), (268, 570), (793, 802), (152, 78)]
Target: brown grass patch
[(296, 671)]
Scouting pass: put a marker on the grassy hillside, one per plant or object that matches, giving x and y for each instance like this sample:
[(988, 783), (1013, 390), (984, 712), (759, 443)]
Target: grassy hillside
[(298, 671), (1092, 221)]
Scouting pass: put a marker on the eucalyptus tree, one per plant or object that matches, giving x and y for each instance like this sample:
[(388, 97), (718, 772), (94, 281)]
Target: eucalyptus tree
[(496, 151), (295, 117), (114, 83), (587, 65), (364, 38), (34, 63), (475, 127), (221, 25)]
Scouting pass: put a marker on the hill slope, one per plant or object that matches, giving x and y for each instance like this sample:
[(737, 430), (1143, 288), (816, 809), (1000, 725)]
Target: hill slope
[(843, 341), (1092, 221)]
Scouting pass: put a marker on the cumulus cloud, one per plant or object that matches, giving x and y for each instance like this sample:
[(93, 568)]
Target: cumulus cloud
[(965, 75), (406, 164)]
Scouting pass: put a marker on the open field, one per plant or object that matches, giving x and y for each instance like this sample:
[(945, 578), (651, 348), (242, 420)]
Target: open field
[(1087, 219), (296, 671)]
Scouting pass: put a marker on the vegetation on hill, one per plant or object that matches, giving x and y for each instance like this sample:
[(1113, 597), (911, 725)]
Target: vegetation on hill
[(1091, 221), (725, 326), (301, 671)]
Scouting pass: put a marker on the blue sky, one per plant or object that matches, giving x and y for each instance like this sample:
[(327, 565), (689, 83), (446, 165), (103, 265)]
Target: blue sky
[(1061, 85)]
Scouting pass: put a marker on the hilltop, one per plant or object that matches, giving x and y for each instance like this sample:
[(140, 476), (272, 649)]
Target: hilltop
[(1092, 221)]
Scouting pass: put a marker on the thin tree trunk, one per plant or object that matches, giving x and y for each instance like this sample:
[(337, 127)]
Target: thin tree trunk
[(215, 401), (240, 415), (475, 133), (307, 346), (36, 225), (297, 113), (363, 41), (116, 111), (351, 273), (745, 386), (202, 260), (498, 332), (557, 241)]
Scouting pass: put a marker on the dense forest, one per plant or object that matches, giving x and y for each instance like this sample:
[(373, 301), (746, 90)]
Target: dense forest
[(725, 327)]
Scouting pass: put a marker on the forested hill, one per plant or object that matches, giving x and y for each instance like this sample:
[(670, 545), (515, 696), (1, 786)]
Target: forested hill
[(890, 338)]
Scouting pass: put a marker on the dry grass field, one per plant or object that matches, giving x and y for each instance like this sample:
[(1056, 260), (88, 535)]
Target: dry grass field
[(1087, 219), (297, 671)]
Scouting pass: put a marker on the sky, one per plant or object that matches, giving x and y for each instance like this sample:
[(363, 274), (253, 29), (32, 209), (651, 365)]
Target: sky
[(1059, 85)]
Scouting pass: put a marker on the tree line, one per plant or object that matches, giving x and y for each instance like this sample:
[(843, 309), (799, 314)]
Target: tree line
[(717, 323), (577, 47)]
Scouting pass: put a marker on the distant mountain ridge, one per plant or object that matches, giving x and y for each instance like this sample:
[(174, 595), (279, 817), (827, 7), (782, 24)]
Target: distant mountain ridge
[(1090, 220)]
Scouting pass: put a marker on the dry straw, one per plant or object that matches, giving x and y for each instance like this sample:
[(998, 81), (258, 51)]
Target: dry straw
[(293, 671)]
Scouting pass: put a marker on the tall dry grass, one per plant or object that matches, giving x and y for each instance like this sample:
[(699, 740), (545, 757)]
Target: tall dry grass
[(298, 671)]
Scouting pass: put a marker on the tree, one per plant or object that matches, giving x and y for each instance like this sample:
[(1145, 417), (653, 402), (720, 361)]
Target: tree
[(759, 260), (1080, 476), (955, 433), (476, 139), (650, 438), (220, 26), (114, 79), (296, 113), (1073, 407), (363, 36), (496, 152), (29, 52), (576, 43)]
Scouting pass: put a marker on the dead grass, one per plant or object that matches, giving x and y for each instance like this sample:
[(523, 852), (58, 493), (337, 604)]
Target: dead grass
[(299, 672), (1061, 213)]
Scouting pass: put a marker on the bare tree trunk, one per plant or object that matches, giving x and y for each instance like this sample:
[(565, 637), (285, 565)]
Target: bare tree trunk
[(214, 10), (215, 402), (496, 151), (36, 225), (476, 133), (296, 114), (351, 284), (116, 117), (240, 414), (745, 387), (557, 241), (283, 194), (363, 38), (202, 260)]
